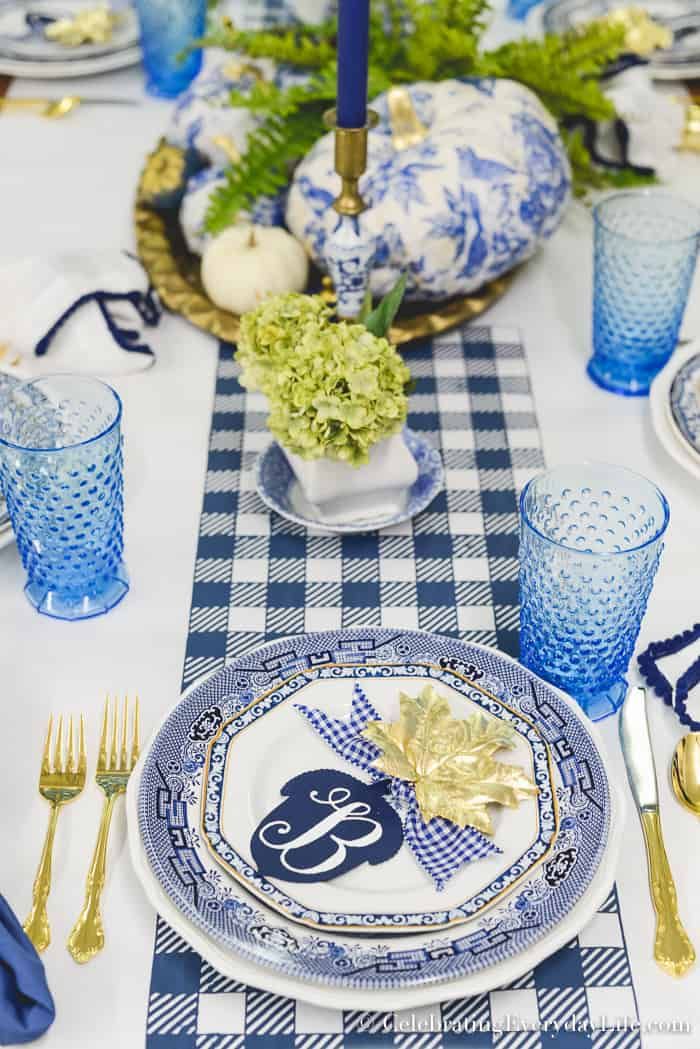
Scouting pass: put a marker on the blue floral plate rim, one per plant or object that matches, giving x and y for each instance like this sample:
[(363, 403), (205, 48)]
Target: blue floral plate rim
[(274, 478), (684, 402), (232, 921)]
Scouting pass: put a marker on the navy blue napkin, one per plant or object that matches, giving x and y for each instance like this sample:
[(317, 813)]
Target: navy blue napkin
[(26, 1005)]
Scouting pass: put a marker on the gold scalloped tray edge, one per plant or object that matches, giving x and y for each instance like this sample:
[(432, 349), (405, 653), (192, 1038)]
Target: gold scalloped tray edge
[(179, 288)]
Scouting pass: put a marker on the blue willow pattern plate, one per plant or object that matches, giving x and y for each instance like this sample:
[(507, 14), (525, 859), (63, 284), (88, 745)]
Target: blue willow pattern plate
[(170, 810), (276, 484), (684, 399), (224, 770)]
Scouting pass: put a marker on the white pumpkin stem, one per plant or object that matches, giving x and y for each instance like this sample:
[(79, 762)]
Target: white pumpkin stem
[(252, 240)]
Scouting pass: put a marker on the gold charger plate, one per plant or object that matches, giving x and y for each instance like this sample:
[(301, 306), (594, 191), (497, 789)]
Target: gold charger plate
[(174, 271)]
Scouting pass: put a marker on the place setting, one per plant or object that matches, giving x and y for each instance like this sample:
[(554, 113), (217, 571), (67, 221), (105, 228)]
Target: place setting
[(421, 780)]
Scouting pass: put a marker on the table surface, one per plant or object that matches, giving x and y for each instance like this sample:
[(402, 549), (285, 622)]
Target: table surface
[(67, 186)]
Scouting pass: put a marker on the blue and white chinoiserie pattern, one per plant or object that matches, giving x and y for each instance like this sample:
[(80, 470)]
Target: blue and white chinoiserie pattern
[(171, 801), (278, 488), (684, 403), (450, 214)]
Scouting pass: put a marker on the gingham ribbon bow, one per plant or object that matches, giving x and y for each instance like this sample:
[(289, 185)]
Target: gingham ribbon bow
[(440, 847)]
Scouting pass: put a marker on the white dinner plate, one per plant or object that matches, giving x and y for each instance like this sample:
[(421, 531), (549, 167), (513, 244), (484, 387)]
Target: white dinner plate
[(232, 929), (19, 41), (681, 61), (663, 423), (78, 67)]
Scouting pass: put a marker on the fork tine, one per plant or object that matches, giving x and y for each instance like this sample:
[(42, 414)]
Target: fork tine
[(82, 754), (135, 740), (57, 755), (115, 736), (70, 756), (122, 752), (102, 756), (46, 756)]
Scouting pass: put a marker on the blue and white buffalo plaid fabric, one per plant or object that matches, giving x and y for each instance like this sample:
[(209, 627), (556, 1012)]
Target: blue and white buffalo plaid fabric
[(440, 847), (453, 570)]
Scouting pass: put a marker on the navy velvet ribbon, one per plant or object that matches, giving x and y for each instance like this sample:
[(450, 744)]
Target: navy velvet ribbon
[(657, 680), (145, 303)]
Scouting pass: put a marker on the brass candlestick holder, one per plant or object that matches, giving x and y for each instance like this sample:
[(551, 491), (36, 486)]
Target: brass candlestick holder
[(350, 248)]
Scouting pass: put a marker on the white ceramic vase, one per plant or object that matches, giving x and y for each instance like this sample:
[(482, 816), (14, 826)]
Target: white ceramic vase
[(340, 493)]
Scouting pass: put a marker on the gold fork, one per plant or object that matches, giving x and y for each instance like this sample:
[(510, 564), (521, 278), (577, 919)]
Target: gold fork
[(113, 770), (60, 781)]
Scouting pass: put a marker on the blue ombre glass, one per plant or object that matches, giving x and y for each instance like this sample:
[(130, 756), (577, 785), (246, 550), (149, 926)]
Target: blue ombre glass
[(168, 27), (590, 541), (646, 245), (61, 475)]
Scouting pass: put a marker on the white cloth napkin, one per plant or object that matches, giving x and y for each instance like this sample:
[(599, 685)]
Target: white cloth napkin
[(36, 292), (654, 119)]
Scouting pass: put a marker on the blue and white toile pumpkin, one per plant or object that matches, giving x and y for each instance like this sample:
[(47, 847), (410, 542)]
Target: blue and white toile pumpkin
[(202, 116), (477, 195)]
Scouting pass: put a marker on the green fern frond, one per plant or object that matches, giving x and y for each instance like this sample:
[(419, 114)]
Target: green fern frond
[(264, 169), (305, 47), (562, 70)]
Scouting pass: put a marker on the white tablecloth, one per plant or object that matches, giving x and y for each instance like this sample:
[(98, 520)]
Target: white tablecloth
[(68, 186)]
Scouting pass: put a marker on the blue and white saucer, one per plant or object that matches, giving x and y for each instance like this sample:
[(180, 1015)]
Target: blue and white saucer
[(189, 801), (278, 488), (684, 402)]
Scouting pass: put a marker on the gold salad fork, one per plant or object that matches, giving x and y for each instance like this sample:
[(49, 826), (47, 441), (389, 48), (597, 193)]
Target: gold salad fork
[(60, 781), (114, 765)]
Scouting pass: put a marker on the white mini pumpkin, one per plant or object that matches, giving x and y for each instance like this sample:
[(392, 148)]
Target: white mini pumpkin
[(486, 185), (245, 264)]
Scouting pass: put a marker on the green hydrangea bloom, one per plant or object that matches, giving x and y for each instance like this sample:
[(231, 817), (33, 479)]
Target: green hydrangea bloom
[(334, 389)]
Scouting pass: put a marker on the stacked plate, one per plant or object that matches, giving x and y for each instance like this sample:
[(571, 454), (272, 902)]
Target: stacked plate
[(7, 383), (246, 841), (678, 62), (25, 50), (675, 409)]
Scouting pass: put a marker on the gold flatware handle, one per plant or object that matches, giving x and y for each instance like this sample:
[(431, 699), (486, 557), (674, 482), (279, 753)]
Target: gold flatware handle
[(36, 925), (22, 103), (673, 950), (87, 937)]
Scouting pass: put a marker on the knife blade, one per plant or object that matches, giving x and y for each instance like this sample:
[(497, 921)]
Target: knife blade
[(636, 748), (673, 950)]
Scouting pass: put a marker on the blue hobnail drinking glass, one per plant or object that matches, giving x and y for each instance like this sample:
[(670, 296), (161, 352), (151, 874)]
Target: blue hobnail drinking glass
[(168, 27), (61, 475), (645, 247), (590, 541)]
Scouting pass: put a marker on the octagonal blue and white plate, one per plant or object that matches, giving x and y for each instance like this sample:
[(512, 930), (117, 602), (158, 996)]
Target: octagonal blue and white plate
[(279, 489), (684, 403), (224, 764)]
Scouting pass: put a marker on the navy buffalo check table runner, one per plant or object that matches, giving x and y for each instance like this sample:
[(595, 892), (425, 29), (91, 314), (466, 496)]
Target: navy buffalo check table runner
[(453, 570)]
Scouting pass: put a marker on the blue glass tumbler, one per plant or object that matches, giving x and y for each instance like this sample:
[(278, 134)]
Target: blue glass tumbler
[(168, 27), (590, 541), (645, 247), (61, 475)]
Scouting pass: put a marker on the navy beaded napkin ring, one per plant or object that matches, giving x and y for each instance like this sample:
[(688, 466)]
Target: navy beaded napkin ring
[(677, 699)]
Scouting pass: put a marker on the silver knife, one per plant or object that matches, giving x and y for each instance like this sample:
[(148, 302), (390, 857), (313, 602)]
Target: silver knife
[(673, 950)]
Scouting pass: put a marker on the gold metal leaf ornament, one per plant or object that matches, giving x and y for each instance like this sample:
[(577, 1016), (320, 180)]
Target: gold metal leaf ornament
[(450, 761)]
